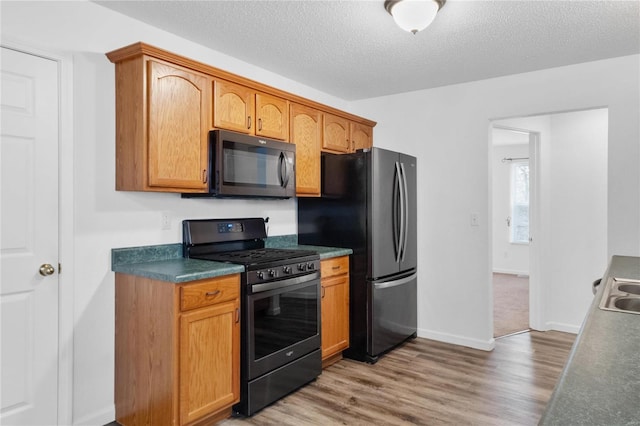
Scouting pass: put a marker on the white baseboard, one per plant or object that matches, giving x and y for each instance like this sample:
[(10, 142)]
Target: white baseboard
[(511, 272), (485, 345), (567, 328), (100, 418)]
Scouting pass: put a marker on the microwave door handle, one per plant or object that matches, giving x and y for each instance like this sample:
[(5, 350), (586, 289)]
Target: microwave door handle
[(284, 177), (280, 160), (287, 173)]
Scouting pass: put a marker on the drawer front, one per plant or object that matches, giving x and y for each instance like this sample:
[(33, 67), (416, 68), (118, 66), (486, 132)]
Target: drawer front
[(334, 266), (209, 292)]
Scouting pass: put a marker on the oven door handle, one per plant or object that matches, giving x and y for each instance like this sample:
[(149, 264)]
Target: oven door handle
[(259, 288)]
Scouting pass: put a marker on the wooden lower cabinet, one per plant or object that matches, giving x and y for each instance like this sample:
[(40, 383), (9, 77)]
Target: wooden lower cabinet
[(335, 308), (177, 359)]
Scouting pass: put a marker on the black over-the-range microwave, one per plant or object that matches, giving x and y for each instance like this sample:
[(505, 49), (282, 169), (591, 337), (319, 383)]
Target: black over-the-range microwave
[(246, 166)]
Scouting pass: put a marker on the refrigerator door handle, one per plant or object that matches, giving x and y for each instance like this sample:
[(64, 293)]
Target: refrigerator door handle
[(397, 233), (405, 222), (403, 211), (395, 283)]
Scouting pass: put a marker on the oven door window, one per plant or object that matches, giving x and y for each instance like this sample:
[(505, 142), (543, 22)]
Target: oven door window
[(284, 319), (254, 166)]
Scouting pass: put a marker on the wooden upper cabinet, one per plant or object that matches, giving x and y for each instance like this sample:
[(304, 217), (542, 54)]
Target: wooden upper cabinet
[(343, 136), (162, 126), (178, 127), (242, 109), (361, 136), (306, 131), (335, 134), (166, 104), (233, 107), (272, 117)]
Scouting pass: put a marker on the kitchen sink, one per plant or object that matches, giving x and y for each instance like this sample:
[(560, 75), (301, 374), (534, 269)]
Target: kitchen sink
[(621, 295), (628, 303), (629, 288)]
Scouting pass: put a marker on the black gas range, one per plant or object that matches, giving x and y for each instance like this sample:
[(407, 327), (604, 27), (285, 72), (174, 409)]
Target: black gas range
[(280, 304)]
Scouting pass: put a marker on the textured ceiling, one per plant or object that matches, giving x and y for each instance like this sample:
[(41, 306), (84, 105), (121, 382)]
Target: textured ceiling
[(354, 50)]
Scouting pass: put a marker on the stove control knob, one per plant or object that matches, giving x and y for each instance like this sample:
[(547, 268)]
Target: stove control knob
[(286, 269), (302, 267), (272, 273), (311, 266), (261, 275)]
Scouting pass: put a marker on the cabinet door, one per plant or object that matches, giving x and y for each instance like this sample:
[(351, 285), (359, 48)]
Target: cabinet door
[(233, 107), (178, 127), (335, 134), (272, 116), (209, 360), (361, 136), (306, 133), (335, 315)]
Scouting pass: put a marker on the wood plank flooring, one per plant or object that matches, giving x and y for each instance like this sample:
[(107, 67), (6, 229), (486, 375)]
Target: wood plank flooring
[(510, 304), (425, 382)]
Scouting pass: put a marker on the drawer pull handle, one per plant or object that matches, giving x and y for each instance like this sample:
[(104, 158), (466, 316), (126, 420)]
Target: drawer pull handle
[(322, 292), (237, 315), (336, 267), (212, 293)]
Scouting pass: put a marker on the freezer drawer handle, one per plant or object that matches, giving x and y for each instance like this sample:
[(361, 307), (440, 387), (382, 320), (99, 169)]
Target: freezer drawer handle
[(395, 283)]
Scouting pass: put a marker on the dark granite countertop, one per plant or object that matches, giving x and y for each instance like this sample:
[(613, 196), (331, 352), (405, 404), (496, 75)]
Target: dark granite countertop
[(165, 262), (179, 270), (325, 252), (600, 384)]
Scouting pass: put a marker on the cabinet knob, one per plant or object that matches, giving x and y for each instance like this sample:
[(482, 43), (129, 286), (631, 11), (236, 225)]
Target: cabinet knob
[(248, 122)]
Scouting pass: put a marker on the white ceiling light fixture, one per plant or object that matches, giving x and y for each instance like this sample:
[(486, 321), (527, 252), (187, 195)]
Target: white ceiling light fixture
[(413, 15)]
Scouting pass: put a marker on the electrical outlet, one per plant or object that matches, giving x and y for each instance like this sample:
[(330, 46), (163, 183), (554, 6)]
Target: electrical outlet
[(474, 219), (165, 221)]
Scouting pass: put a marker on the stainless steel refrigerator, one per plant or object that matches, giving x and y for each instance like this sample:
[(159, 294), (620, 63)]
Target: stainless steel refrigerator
[(368, 204)]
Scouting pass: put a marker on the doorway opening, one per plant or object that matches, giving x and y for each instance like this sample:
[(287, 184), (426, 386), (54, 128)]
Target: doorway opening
[(567, 232), (510, 162)]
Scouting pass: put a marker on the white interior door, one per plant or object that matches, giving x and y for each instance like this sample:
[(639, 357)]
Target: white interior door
[(29, 239)]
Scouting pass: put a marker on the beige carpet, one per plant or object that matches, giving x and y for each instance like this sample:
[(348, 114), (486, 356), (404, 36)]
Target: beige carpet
[(510, 304)]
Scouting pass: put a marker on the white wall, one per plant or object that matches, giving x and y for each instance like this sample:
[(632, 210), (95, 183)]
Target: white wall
[(447, 128), (508, 258), (103, 218), (578, 204)]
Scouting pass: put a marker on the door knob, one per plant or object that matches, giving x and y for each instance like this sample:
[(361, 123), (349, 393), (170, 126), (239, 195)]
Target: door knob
[(46, 269)]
